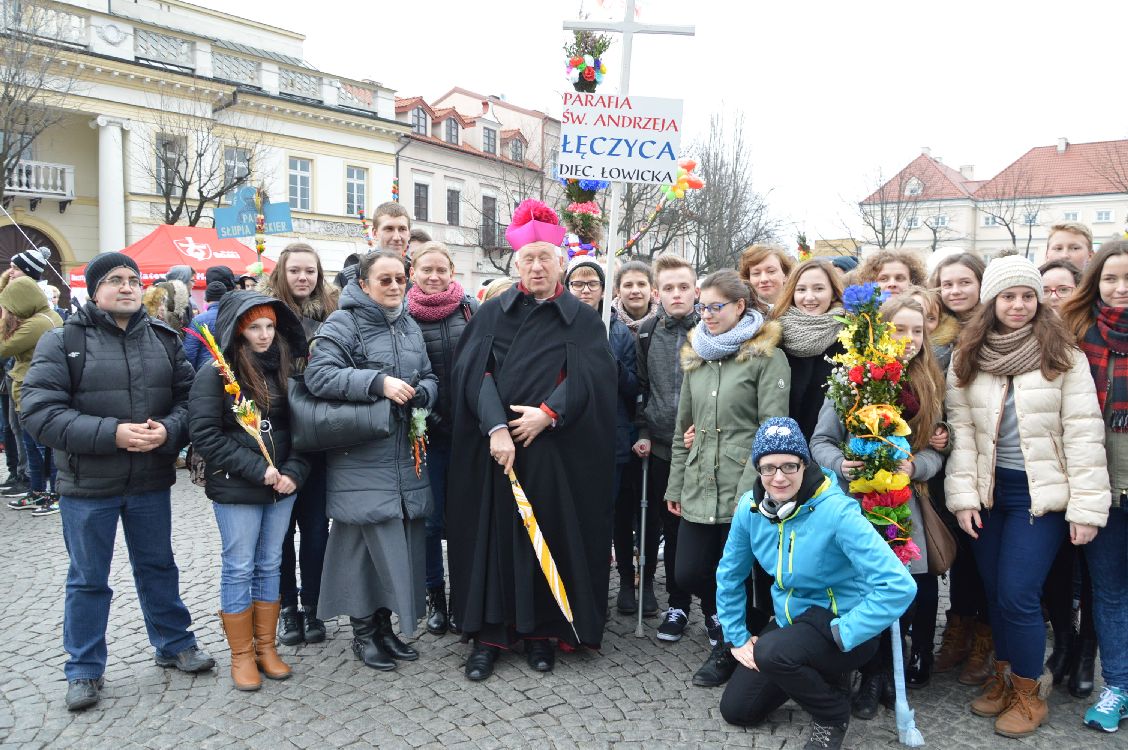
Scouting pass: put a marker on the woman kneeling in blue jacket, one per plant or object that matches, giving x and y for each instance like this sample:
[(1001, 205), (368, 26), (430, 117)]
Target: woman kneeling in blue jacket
[(836, 587)]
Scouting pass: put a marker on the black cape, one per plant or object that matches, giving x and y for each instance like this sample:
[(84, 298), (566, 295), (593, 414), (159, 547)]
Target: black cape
[(515, 352)]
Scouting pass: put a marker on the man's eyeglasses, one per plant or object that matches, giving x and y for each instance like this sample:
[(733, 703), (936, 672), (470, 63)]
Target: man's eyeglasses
[(1061, 292), (119, 281), (712, 309), (386, 281), (767, 470), (579, 286)]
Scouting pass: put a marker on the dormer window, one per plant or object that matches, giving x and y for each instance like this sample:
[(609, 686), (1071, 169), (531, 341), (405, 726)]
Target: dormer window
[(517, 150), (914, 187), (452, 131), (489, 140), (419, 121)]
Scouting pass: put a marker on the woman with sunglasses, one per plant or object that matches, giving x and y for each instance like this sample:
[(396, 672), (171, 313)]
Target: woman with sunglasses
[(368, 350), (735, 378)]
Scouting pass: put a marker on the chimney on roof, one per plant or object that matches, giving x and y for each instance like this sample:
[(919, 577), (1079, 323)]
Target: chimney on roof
[(968, 171), (485, 107), (1063, 143), (926, 151)]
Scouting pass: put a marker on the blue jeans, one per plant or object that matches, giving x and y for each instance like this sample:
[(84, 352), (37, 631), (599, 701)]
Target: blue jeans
[(1014, 553), (1108, 568), (40, 467), (89, 529), (438, 462), (309, 518), (252, 552)]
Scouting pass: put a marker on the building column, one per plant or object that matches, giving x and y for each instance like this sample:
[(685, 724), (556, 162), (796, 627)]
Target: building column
[(111, 182)]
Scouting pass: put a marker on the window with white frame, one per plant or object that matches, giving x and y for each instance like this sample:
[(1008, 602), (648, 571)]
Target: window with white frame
[(236, 164), (356, 190), (489, 140), (170, 151), (452, 131), (1103, 217), (1030, 218), (940, 221), (301, 183), (422, 199), (1071, 216), (914, 186), (990, 220), (887, 222), (419, 121), (912, 222)]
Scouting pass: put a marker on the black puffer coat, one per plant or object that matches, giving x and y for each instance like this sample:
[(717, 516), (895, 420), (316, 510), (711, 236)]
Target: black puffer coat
[(372, 482), (441, 337), (235, 464), (127, 377)]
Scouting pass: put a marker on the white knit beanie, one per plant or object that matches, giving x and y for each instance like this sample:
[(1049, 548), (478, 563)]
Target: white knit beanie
[(1010, 270)]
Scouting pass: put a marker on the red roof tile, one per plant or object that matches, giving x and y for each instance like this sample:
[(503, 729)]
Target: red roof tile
[(1081, 169), (938, 182)]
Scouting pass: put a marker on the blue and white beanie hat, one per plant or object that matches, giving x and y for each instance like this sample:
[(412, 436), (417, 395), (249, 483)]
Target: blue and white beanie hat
[(779, 435)]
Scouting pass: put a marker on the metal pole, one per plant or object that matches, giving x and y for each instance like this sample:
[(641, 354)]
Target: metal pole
[(642, 545)]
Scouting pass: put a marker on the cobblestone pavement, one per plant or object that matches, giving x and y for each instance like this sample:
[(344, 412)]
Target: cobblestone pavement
[(634, 694)]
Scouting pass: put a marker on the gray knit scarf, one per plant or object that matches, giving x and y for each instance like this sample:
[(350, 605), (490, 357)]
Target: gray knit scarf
[(711, 348), (1010, 354), (628, 321), (808, 335)]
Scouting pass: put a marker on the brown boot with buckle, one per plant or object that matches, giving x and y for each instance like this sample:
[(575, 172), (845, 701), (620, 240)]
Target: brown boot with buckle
[(1027, 709), (240, 637), (996, 693), (955, 644), (266, 625), (978, 666)]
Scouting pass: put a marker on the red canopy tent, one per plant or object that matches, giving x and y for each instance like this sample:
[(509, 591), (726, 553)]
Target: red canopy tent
[(169, 246)]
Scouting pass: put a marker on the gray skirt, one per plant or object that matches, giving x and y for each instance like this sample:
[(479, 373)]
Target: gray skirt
[(375, 566)]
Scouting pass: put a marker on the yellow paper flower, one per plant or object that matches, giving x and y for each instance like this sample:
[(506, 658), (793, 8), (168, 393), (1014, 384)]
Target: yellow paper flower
[(233, 389), (883, 481), (874, 418)]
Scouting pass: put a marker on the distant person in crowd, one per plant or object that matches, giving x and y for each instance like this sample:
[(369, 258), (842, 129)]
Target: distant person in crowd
[(660, 341), (840, 586), (186, 276), (31, 263), (1097, 316), (262, 340), (892, 270), (1072, 241), (1059, 280), (169, 302), (392, 227), (1019, 486), (377, 496), (298, 280), (348, 271), (765, 268), (844, 264), (54, 294), (247, 281), (534, 392), (417, 239), (220, 280), (16, 484), (735, 378), (496, 287), (117, 418), (443, 309)]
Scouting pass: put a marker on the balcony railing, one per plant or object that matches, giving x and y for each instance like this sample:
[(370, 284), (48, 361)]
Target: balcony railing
[(492, 236), (39, 179)]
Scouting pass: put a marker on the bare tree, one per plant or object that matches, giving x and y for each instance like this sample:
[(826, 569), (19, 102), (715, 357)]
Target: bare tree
[(892, 210), (671, 224), (937, 224), (726, 215), (1111, 164), (1013, 201), (193, 159), (33, 81)]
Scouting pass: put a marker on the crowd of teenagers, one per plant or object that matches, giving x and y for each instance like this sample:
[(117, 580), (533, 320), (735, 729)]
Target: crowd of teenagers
[(706, 392)]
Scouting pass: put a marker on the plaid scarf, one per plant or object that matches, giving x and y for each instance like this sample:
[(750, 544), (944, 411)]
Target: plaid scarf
[(1107, 339)]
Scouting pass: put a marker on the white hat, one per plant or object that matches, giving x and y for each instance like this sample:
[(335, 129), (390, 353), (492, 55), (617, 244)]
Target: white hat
[(1010, 270)]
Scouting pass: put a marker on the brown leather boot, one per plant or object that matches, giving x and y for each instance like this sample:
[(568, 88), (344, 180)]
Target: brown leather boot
[(955, 644), (1027, 708), (266, 623), (977, 668), (240, 638), (996, 693)]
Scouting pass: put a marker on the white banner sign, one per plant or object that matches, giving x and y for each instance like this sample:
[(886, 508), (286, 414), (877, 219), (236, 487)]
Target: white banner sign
[(620, 139)]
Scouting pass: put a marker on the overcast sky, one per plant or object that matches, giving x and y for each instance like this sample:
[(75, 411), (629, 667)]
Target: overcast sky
[(833, 92)]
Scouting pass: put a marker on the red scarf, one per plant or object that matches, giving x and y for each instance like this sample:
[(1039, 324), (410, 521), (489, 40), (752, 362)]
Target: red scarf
[(430, 308), (1105, 341)]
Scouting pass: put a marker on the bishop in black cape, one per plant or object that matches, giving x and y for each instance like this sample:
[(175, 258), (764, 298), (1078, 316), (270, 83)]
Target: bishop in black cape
[(517, 351)]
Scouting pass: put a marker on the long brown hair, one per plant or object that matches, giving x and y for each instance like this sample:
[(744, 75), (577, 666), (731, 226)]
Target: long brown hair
[(10, 324), (252, 379), (280, 287), (1056, 343), (1077, 311), (926, 381), (786, 299)]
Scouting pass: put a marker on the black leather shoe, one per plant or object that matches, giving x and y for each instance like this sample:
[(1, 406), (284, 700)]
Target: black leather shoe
[(190, 660), (919, 672), (1081, 678), (83, 694), (480, 664), (386, 638), (865, 702), (1063, 659), (453, 625), (437, 618), (290, 626), (540, 654), (312, 627), (626, 602), (717, 669), (366, 648)]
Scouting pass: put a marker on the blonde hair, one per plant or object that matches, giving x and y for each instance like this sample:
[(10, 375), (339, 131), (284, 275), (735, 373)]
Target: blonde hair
[(671, 262), (757, 254), (1074, 227), (496, 287), (873, 263), (433, 247)]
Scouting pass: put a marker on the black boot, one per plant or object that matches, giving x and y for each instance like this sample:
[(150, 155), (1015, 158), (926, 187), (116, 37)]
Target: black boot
[(437, 618), (649, 600), (314, 627), (919, 672), (717, 669), (540, 654), (888, 691), (290, 631), (386, 637), (865, 702), (826, 736), (480, 663), (1081, 678), (626, 601), (1064, 656), (366, 647)]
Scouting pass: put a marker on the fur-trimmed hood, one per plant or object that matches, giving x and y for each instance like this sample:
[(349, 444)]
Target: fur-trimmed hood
[(313, 306), (947, 331), (167, 301), (763, 344)]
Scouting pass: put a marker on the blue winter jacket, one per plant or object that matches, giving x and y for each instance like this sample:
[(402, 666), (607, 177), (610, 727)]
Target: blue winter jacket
[(623, 347), (826, 555), (196, 352)]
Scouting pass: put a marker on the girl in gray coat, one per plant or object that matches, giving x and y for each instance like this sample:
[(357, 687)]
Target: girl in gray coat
[(368, 350)]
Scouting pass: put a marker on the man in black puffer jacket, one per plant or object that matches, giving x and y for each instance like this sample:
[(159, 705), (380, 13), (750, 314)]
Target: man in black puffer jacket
[(109, 392)]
